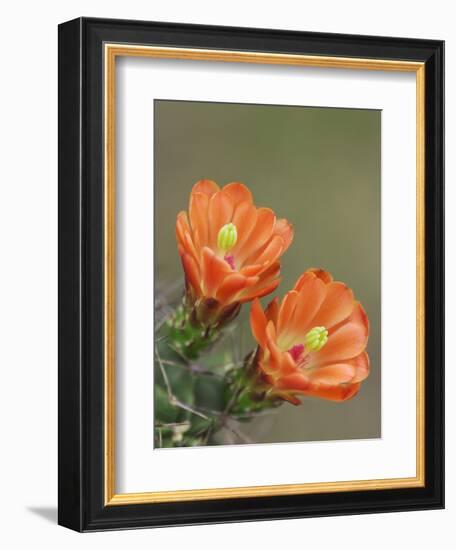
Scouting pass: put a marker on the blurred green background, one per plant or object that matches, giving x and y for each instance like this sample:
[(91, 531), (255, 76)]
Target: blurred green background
[(318, 167)]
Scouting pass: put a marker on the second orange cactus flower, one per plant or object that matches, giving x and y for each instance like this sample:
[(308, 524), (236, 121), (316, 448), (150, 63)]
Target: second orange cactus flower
[(312, 343)]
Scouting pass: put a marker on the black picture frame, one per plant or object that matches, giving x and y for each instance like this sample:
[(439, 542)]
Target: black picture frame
[(81, 472)]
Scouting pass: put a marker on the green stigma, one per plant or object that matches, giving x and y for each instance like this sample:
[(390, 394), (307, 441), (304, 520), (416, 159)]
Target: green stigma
[(227, 237), (316, 338)]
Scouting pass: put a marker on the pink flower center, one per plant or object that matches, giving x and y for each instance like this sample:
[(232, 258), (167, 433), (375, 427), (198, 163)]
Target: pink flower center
[(229, 259), (296, 352), (299, 355)]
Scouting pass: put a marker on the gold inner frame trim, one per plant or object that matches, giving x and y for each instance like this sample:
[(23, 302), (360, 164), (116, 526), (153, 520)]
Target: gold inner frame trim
[(111, 52)]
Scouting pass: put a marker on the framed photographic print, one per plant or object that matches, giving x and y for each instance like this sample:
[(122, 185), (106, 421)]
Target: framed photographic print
[(250, 274)]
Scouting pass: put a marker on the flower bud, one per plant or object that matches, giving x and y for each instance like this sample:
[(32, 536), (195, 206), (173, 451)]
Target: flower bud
[(227, 237), (316, 338)]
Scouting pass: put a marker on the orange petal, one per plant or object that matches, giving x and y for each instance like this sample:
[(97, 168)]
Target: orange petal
[(258, 291), (312, 292), (259, 236), (190, 247), (359, 316), (332, 374), (267, 282), (362, 366), (198, 210), (288, 364), (285, 230), (286, 310), (258, 322), (334, 393), (214, 270), (346, 342), (295, 381), (275, 360), (220, 213), (250, 270), (271, 331), (265, 290), (288, 397), (325, 276), (191, 272), (245, 219), (270, 253), (271, 271), (182, 226), (232, 285), (337, 306), (238, 192), (303, 280), (207, 187), (272, 311), (264, 226)]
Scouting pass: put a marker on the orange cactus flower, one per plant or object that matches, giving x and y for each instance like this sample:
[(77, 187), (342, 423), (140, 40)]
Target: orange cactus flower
[(312, 343), (230, 249)]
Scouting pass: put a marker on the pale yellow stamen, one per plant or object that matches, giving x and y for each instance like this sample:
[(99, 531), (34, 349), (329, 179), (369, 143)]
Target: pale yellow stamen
[(227, 237), (316, 338)]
